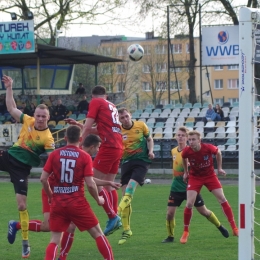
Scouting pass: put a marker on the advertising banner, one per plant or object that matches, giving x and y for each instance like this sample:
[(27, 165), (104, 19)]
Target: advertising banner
[(220, 45), (17, 37)]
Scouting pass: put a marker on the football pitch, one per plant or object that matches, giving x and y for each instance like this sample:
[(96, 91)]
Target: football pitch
[(147, 224)]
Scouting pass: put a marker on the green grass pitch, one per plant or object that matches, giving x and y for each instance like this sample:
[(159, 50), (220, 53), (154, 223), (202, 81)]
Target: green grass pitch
[(147, 223)]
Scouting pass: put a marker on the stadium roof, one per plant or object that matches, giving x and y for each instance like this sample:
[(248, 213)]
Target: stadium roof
[(50, 55)]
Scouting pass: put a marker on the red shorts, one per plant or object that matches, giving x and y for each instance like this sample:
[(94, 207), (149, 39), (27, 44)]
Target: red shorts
[(108, 160), (210, 181), (45, 203), (81, 215)]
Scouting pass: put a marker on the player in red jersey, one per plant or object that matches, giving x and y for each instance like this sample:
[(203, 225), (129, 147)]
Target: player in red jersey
[(106, 164), (201, 172), (70, 167)]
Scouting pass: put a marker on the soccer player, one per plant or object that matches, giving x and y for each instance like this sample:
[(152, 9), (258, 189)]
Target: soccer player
[(34, 139), (90, 145), (70, 167), (137, 156), (178, 190), (106, 163), (201, 172)]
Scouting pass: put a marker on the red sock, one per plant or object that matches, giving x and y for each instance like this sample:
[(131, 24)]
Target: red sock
[(34, 225), (104, 248), (51, 251), (187, 218), (229, 214), (66, 243), (114, 199), (107, 206)]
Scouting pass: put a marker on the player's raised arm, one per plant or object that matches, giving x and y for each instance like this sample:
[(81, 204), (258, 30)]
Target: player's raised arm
[(10, 103)]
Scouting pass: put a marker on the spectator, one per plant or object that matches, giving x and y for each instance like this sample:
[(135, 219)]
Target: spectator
[(80, 90), (83, 106), (219, 112), (26, 110), (210, 114), (59, 112)]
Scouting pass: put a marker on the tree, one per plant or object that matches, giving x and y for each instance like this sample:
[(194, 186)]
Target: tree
[(52, 15)]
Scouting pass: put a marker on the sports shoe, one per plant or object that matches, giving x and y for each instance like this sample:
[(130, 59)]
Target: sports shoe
[(235, 232), (223, 231), (184, 237), (125, 235), (113, 224), (168, 240), (25, 249), (12, 230)]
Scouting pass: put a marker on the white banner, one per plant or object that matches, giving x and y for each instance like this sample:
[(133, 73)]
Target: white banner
[(220, 45)]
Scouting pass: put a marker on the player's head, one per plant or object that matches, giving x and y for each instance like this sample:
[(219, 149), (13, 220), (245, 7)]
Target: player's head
[(91, 144), (210, 106), (59, 102), (125, 117), (194, 138), (42, 116), (99, 91), (73, 135), (182, 135)]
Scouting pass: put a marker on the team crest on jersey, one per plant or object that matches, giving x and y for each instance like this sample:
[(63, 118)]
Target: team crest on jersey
[(137, 131), (37, 137), (124, 137), (206, 157), (174, 157)]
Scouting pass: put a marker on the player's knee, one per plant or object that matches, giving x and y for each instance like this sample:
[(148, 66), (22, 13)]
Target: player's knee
[(45, 226), (71, 228)]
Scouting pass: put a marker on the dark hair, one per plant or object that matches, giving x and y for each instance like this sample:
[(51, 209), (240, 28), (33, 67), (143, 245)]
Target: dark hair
[(122, 110), (91, 140), (73, 134), (99, 90), (80, 84)]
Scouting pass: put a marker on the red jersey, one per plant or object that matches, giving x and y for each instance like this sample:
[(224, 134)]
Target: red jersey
[(105, 115), (68, 167), (201, 162)]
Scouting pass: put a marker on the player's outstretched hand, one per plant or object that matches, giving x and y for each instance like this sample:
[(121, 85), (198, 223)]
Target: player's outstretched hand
[(222, 172), (115, 185), (8, 82), (151, 156), (100, 201), (70, 121)]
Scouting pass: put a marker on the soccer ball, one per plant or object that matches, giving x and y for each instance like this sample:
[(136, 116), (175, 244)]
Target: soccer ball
[(147, 181), (136, 52)]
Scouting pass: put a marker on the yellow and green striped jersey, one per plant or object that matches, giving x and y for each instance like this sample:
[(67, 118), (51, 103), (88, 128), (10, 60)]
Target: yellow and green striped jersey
[(134, 142), (31, 142)]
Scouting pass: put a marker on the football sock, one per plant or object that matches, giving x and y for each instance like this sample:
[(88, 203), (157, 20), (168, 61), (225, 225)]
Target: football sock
[(229, 214), (125, 217), (170, 224), (66, 243), (51, 251), (113, 199), (125, 201), (24, 221), (34, 225), (214, 220), (107, 206), (187, 218), (104, 248)]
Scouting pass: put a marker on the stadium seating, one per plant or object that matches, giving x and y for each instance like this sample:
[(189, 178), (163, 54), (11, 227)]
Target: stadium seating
[(197, 105), (187, 105)]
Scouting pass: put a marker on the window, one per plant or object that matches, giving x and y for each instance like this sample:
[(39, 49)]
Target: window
[(147, 49), (161, 67), (161, 85), (146, 68), (176, 48), (232, 100), (161, 49), (178, 66), (219, 67), (121, 87), (233, 83), (173, 85), (146, 86), (218, 101), (233, 67), (218, 83), (187, 48), (121, 69), (107, 69), (109, 87), (106, 51), (120, 51)]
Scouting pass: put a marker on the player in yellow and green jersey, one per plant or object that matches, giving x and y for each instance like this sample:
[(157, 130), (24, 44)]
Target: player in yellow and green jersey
[(34, 139), (178, 191), (137, 156)]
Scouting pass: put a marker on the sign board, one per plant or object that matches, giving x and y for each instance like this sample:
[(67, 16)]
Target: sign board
[(17, 37), (220, 45)]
